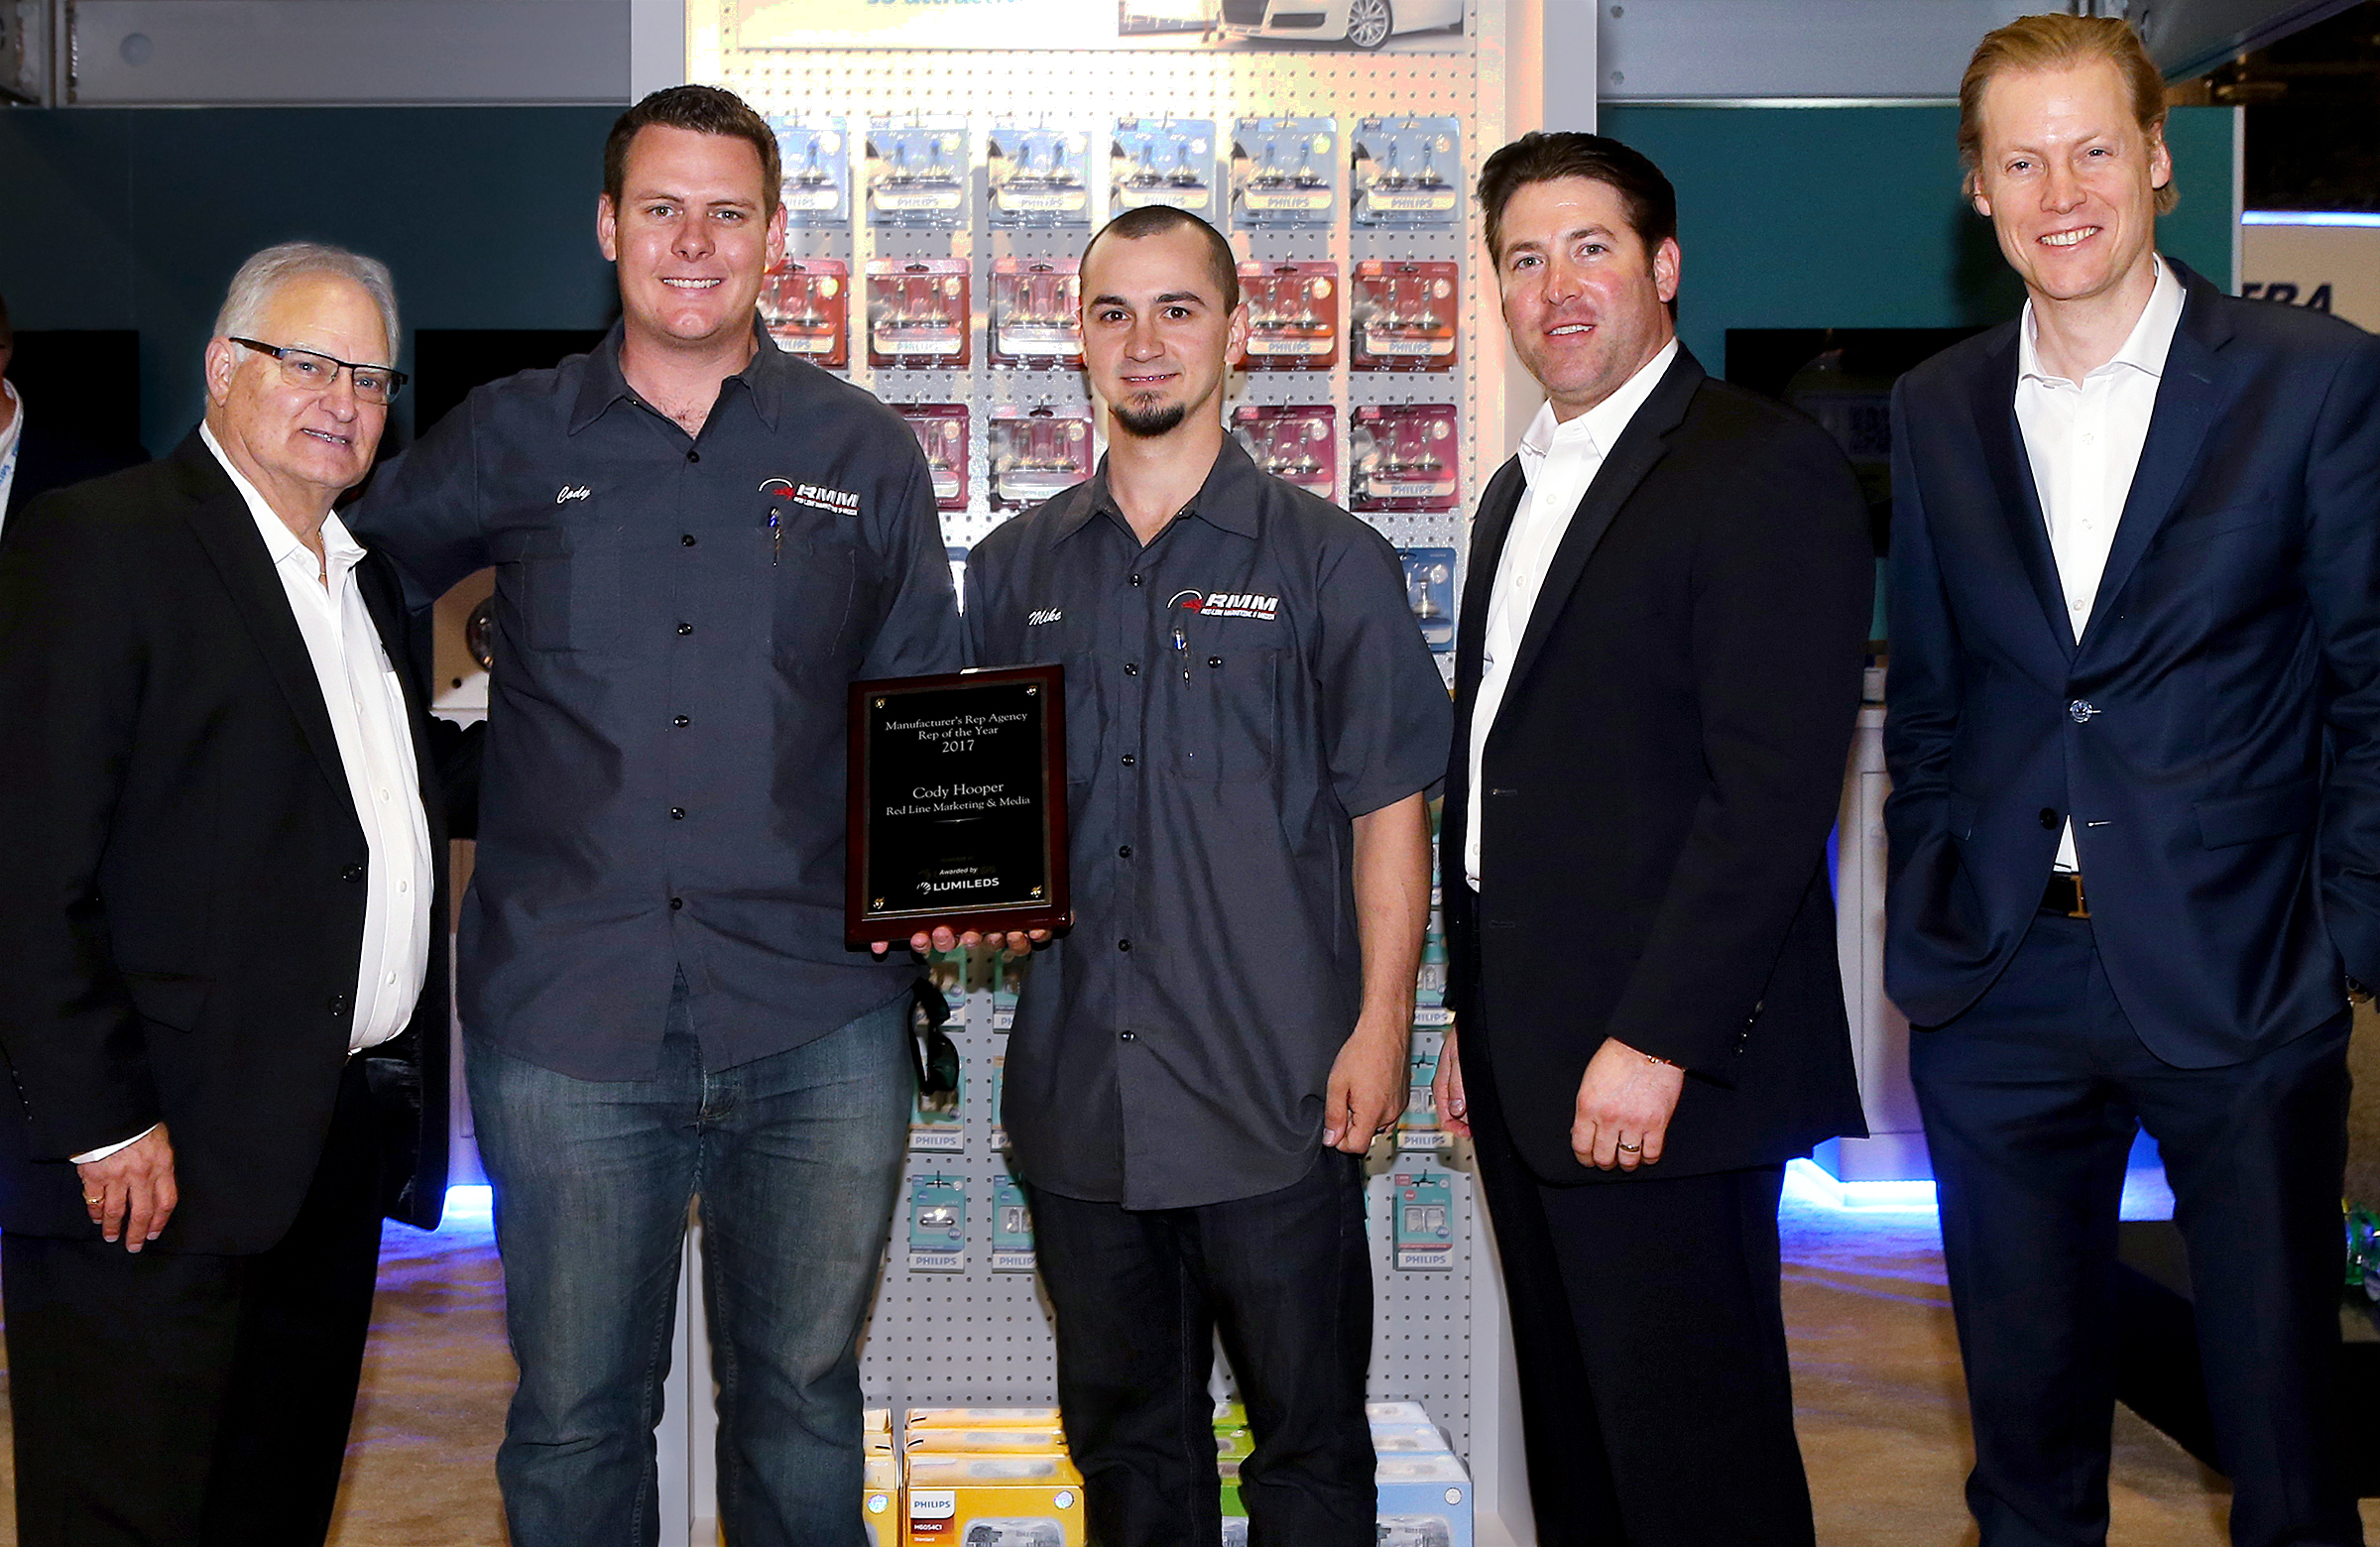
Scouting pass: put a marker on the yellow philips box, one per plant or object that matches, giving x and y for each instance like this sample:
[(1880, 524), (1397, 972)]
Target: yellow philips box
[(984, 1442), (983, 1418), (992, 1502), (880, 1500)]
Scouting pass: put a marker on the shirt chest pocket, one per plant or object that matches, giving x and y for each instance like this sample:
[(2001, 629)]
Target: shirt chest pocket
[(1219, 696), (816, 574), (563, 584)]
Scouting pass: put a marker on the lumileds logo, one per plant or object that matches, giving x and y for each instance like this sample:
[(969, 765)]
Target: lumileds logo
[(1228, 604)]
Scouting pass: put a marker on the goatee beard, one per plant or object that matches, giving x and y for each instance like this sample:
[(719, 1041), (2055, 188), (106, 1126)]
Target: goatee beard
[(1149, 423)]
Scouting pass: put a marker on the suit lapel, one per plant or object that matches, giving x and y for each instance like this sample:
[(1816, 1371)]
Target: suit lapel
[(227, 531), (2190, 397), (2014, 493), (1490, 531), (1642, 444)]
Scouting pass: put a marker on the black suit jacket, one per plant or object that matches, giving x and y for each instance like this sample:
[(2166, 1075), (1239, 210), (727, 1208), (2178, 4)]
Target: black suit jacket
[(1659, 785), (56, 451), (2215, 732), (182, 863)]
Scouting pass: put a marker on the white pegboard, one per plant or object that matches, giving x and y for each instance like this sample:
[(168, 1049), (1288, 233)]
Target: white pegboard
[(1092, 90), (982, 1337)]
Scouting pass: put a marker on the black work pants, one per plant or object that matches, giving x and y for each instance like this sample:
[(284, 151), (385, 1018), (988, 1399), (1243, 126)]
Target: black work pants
[(1656, 1402), (177, 1399), (2030, 1101), (1139, 1296)]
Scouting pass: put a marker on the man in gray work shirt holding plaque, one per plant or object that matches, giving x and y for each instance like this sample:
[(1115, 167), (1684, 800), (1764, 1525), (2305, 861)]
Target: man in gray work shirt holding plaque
[(1196, 1071), (700, 542)]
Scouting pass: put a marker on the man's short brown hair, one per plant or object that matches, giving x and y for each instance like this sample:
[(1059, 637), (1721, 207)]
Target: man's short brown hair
[(2060, 41), (1151, 220), (705, 110), (1646, 199)]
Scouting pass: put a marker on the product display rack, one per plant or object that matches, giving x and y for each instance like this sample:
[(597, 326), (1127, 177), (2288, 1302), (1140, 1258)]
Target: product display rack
[(975, 1333)]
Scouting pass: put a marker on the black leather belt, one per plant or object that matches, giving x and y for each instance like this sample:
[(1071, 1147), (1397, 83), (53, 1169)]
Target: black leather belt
[(2064, 895)]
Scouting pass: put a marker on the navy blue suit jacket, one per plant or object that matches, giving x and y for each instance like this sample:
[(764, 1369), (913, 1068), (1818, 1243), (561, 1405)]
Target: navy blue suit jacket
[(2214, 734)]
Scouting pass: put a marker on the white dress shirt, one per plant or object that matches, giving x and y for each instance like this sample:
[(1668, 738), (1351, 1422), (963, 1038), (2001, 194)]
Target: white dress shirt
[(11, 441), (1558, 459), (2083, 440)]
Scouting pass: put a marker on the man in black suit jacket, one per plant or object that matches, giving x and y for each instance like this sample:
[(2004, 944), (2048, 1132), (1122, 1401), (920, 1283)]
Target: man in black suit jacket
[(49, 450), (2135, 822), (224, 1009), (1656, 677)]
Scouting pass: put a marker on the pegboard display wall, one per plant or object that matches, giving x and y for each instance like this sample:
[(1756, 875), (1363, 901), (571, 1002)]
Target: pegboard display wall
[(1092, 92), (953, 1328), (956, 1328)]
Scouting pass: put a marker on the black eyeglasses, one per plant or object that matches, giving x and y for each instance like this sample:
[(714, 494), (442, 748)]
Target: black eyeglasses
[(378, 383)]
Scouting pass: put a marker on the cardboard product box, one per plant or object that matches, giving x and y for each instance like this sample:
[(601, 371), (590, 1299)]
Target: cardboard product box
[(1378, 1413), (1390, 1439), (880, 1500), (983, 1418), (984, 1442), (1233, 1444), (992, 1502), (1425, 1501)]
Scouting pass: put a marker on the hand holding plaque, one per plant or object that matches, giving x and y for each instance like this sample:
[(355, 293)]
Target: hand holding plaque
[(957, 802)]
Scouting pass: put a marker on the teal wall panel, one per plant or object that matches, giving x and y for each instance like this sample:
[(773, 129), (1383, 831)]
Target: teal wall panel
[(1851, 217), (137, 218)]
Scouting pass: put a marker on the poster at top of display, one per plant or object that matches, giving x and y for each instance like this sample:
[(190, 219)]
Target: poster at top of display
[(1338, 25)]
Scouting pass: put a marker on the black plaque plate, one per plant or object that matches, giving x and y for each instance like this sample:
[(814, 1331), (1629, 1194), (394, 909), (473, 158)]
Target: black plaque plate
[(956, 804)]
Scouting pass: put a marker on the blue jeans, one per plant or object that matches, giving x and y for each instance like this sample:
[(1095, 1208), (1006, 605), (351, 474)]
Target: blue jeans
[(797, 1159)]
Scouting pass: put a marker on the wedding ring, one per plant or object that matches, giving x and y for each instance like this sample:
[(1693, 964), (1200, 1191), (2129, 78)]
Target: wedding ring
[(1629, 1150)]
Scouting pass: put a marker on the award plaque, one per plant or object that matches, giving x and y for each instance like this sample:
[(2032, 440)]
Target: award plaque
[(956, 804)]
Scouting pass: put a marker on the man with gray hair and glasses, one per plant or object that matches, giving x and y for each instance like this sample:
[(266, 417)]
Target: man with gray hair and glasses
[(224, 1013)]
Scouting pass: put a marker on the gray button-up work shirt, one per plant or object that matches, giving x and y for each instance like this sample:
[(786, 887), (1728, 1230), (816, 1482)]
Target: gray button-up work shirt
[(675, 621), (1237, 692)]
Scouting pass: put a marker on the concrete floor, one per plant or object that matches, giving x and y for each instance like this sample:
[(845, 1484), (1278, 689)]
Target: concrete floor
[(1877, 1372)]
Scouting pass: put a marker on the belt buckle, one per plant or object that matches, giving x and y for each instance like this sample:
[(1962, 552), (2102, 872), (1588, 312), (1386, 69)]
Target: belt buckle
[(2081, 905)]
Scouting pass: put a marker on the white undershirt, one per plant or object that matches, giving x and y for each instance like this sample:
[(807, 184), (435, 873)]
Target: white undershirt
[(1558, 459), (12, 440), (2083, 440)]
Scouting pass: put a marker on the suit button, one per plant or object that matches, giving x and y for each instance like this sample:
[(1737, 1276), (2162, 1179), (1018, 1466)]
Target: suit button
[(352, 873), (1124, 945), (1128, 760), (677, 813), (1131, 668), (675, 903), (1125, 1037), (2080, 709), (1125, 852), (681, 721), (2049, 818), (685, 628), (338, 1004)]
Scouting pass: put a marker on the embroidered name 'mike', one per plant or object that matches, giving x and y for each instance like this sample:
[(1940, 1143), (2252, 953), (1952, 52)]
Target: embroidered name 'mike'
[(1228, 604), (1042, 616)]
